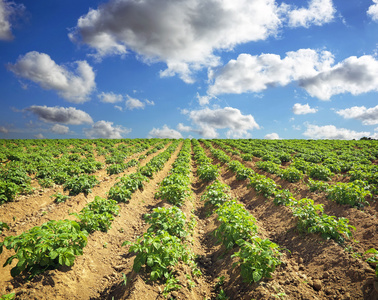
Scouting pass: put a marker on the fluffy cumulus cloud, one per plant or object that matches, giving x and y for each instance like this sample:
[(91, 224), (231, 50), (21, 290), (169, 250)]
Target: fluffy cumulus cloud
[(368, 116), (312, 70), (355, 75), (64, 115), (318, 13), (40, 68), (133, 103), (255, 73), (331, 132), (272, 136), (207, 121), (164, 133), (106, 130), (110, 97), (303, 109), (3, 129), (130, 102), (7, 10), (192, 33), (373, 11), (60, 129), (39, 136)]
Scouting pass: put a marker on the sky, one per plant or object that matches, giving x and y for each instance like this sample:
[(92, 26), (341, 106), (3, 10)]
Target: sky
[(259, 69)]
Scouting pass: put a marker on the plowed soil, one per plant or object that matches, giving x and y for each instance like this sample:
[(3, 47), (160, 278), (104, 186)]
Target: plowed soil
[(312, 268)]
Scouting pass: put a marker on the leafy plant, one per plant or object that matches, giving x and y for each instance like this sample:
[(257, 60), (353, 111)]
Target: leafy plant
[(98, 215), (373, 260), (158, 253), (171, 284), (257, 259), (3, 226), (47, 246), (208, 172), (170, 219), (80, 184), (216, 194), (8, 191), (119, 193), (348, 193), (263, 185), (60, 198), (292, 174), (236, 223)]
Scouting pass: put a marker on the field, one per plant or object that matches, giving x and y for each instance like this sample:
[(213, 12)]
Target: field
[(188, 219)]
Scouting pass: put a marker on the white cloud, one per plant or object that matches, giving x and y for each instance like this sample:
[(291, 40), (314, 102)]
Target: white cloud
[(110, 97), (355, 75), (164, 133), (303, 109), (60, 129), (132, 103), (272, 136), (56, 114), (184, 33), (106, 130), (318, 13), (40, 68), (204, 100), (368, 116), (183, 128), (373, 11), (311, 69), (7, 10), (209, 120), (250, 73), (3, 129), (39, 136), (331, 132)]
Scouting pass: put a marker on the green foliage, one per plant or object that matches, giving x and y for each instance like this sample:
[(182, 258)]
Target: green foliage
[(269, 166), (236, 224), (46, 182), (373, 259), (320, 172), (171, 220), (263, 185), (9, 296), (171, 284), (257, 259), (60, 198), (216, 193), (119, 193), (47, 246), (208, 172), (315, 185), (311, 219), (8, 191), (247, 157), (115, 168), (292, 174), (351, 193), (173, 193), (283, 197), (80, 184), (98, 215), (158, 253), (3, 226)]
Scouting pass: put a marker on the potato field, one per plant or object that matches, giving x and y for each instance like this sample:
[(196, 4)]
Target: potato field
[(188, 219)]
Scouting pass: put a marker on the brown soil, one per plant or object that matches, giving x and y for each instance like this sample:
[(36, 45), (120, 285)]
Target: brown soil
[(312, 268)]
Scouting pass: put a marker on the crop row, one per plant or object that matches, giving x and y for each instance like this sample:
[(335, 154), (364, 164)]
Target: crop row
[(258, 257), (164, 245)]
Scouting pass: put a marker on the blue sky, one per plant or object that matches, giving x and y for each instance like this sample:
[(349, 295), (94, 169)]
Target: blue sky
[(189, 68)]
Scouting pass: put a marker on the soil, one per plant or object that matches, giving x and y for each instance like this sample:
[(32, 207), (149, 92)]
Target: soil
[(312, 268)]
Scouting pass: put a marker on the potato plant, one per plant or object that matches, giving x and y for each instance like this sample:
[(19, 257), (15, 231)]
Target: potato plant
[(47, 246)]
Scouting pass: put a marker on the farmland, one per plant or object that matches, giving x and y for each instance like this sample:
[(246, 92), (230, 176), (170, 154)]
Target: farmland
[(189, 219)]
